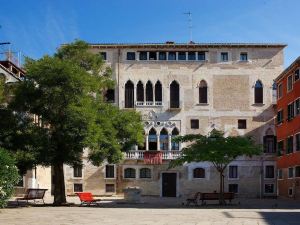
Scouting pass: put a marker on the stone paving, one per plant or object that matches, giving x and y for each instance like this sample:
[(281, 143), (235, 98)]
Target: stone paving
[(158, 211)]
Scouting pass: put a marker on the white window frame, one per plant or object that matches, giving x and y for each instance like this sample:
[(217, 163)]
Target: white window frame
[(265, 172), (238, 174), (287, 83), (278, 177), (266, 193), (77, 178), (247, 57), (74, 187), (220, 57), (144, 178), (289, 173), (110, 178), (199, 178)]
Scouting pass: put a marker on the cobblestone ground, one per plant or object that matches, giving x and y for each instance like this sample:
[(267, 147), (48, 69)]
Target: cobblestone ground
[(157, 211)]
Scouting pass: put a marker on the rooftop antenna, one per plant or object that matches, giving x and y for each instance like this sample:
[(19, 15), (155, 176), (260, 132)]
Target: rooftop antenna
[(189, 14)]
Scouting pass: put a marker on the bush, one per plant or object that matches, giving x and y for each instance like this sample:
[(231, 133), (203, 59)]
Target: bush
[(8, 176)]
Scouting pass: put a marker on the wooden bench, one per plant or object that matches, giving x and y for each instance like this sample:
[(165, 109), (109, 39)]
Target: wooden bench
[(215, 196), (194, 199), (87, 198), (33, 194)]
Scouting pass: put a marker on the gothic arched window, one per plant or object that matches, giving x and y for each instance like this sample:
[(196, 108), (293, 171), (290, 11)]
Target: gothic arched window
[(140, 92), (174, 95), (129, 94), (152, 139), (258, 92), (175, 145), (158, 92), (149, 92), (163, 139), (203, 92)]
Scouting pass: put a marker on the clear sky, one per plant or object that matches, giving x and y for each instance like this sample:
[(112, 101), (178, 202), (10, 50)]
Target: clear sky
[(38, 27)]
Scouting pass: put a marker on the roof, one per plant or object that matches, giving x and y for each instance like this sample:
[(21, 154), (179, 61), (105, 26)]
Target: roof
[(288, 69), (186, 45)]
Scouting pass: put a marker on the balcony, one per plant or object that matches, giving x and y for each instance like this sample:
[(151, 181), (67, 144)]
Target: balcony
[(148, 104), (139, 154)]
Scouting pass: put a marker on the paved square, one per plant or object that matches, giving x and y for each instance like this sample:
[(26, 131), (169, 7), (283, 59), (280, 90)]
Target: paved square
[(156, 211)]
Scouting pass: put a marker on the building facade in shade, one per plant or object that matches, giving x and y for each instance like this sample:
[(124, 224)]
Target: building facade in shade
[(288, 130), (188, 89)]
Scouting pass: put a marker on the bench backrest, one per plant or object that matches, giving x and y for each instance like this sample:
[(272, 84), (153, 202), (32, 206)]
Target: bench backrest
[(215, 196), (85, 196), (33, 193)]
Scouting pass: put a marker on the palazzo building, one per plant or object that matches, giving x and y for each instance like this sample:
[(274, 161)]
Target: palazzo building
[(189, 89), (288, 131)]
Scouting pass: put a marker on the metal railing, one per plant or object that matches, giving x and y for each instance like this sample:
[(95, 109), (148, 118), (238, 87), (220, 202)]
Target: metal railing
[(139, 154)]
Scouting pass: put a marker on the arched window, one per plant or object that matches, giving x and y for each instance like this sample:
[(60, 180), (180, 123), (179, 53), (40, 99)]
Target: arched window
[(199, 173), (174, 95), (129, 173), (175, 145), (158, 92), (152, 139), (140, 92), (129, 94), (258, 92), (145, 173), (163, 139), (270, 141), (203, 92), (149, 92)]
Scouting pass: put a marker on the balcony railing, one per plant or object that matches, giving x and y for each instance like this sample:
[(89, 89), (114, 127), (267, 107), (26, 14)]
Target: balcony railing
[(148, 103), (139, 154)]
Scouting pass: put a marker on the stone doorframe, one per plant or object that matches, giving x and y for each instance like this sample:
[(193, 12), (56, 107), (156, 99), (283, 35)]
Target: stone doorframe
[(177, 182)]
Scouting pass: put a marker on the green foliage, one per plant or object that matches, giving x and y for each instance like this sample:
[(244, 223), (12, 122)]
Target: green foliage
[(8, 176), (2, 89), (215, 148)]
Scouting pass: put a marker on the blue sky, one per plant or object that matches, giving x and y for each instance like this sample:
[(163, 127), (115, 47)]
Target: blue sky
[(38, 27)]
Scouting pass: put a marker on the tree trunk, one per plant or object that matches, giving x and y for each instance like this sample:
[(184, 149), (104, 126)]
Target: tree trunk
[(221, 193), (59, 185)]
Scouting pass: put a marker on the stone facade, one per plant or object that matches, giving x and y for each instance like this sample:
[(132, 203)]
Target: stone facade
[(231, 89)]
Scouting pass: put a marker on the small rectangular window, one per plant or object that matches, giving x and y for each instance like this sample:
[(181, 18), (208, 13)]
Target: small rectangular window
[(201, 56), (77, 171), (103, 55), (289, 145), (279, 116), (191, 56), (152, 56), (143, 56), (279, 89), (172, 56), (224, 56), (110, 96), (290, 83), (233, 172), (290, 192), (234, 188), (109, 188), (297, 75), (181, 55), (78, 188), (269, 188), (194, 124), (280, 174), (130, 56), (280, 147), (242, 124), (244, 56), (291, 172), (109, 171), (297, 107), (297, 137), (269, 172), (290, 109), (297, 171), (162, 56)]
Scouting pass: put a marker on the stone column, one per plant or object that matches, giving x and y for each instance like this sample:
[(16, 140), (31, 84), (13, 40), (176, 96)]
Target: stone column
[(147, 142), (170, 142), (158, 142)]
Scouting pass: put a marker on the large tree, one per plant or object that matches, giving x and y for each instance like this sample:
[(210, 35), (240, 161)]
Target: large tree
[(217, 149), (66, 92)]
